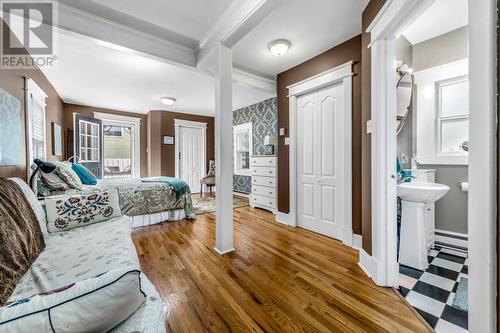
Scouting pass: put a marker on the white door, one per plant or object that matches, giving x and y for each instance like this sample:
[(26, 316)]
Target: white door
[(191, 156), (320, 164)]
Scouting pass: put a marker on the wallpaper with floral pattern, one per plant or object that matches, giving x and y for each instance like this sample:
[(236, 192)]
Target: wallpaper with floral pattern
[(264, 119)]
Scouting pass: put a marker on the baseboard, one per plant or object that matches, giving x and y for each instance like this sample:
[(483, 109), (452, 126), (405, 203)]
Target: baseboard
[(223, 252), (283, 218), (365, 262), (243, 195), (451, 239), (357, 241)]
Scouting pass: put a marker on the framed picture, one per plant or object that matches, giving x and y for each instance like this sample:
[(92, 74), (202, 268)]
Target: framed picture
[(56, 139), (168, 140)]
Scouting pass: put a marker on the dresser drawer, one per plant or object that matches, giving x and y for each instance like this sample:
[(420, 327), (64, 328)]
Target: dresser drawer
[(264, 171), (263, 161), (265, 191), (264, 201), (263, 181)]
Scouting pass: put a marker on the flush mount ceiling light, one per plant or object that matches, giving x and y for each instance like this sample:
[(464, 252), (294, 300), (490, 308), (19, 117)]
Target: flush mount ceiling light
[(168, 101), (279, 47)]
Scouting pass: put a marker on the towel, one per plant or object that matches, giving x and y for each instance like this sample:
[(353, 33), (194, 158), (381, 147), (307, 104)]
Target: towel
[(179, 186)]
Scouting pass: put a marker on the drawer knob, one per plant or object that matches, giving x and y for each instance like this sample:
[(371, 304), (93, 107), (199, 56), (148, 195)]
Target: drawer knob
[(270, 203), (270, 172)]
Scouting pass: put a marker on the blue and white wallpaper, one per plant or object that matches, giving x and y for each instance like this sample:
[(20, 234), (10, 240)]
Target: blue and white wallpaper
[(264, 119)]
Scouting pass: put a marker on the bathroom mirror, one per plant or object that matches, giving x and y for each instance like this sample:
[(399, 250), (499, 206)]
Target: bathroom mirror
[(404, 90)]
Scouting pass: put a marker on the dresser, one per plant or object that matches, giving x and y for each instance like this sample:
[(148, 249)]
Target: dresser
[(264, 182)]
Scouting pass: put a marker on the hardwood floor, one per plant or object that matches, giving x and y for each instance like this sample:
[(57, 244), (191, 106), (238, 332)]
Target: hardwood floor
[(279, 279)]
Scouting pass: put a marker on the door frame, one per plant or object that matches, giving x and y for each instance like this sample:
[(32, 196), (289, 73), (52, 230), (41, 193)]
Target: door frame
[(191, 124), (135, 123), (382, 266), (340, 74)]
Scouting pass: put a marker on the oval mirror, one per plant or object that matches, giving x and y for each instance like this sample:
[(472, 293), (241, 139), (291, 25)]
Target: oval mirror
[(404, 90)]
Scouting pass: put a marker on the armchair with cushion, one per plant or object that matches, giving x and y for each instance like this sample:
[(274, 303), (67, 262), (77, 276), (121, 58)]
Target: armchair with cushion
[(209, 179)]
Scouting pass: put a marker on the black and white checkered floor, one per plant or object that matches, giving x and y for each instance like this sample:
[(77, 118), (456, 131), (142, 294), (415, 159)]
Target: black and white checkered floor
[(431, 293)]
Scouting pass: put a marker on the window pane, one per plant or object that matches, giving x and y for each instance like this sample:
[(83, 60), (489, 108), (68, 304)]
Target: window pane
[(455, 99), (454, 132), (118, 142)]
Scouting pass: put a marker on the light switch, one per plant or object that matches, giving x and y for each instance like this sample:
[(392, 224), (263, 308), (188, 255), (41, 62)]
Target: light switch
[(282, 131), (287, 141), (369, 127)]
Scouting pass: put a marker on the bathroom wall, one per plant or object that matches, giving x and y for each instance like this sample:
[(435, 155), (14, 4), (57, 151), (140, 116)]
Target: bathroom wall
[(264, 119), (451, 210), (404, 52)]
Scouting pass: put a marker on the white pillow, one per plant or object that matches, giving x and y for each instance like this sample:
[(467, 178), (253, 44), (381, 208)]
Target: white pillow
[(72, 211), (93, 305)]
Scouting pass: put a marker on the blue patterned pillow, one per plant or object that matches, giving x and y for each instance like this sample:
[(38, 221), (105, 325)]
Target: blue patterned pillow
[(73, 211), (86, 176)]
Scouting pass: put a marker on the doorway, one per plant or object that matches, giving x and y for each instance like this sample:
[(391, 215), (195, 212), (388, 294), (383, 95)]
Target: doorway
[(190, 152), (320, 153), (382, 265)]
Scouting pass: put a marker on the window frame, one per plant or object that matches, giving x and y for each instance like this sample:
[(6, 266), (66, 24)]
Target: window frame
[(442, 119), (427, 119), (34, 94), (82, 160), (238, 129)]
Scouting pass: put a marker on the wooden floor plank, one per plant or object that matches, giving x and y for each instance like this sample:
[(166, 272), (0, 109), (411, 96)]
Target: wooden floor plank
[(279, 279)]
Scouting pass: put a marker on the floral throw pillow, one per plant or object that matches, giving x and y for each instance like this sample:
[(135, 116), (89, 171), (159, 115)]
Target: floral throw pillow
[(66, 172), (69, 212)]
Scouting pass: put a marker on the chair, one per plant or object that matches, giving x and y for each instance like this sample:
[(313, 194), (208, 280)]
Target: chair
[(209, 179)]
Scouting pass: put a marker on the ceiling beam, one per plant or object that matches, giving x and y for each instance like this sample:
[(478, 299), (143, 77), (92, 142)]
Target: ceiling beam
[(239, 18), (89, 25)]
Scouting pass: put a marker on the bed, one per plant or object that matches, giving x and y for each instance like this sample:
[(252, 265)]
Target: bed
[(146, 200)]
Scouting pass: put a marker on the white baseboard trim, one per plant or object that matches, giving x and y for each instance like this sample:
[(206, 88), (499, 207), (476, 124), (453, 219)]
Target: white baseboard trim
[(283, 218), (223, 252), (365, 262), (451, 238), (239, 194), (357, 241)]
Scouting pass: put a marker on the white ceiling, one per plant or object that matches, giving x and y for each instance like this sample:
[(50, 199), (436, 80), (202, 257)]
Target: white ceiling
[(441, 17), (312, 26), (183, 21), (96, 75)]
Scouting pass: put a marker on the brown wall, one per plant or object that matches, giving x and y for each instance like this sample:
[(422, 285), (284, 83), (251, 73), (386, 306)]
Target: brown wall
[(70, 109), (12, 81), (368, 15), (347, 51), (163, 123)]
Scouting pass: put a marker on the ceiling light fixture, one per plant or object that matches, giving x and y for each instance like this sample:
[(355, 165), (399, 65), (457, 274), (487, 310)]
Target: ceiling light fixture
[(168, 101), (279, 47)]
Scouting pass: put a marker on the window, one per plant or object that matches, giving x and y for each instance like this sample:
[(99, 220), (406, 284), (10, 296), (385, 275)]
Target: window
[(121, 146), (242, 145), (89, 142), (453, 119), (35, 121), (442, 114)]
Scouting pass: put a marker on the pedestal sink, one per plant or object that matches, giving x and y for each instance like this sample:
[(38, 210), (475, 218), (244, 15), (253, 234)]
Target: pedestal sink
[(413, 243)]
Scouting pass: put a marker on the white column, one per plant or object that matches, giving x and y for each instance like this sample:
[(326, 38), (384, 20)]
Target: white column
[(224, 149)]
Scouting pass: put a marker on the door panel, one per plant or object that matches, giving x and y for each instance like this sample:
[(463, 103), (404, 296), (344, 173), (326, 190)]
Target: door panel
[(320, 131), (191, 156), (89, 143)]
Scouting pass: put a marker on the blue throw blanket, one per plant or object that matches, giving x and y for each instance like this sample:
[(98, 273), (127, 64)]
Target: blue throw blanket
[(179, 186)]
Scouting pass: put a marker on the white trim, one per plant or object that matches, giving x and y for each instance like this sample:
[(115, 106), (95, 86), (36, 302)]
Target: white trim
[(483, 177), (136, 137), (428, 140), (389, 23), (225, 251), (241, 128), (243, 195), (192, 124), (482, 205), (323, 79), (451, 240), (365, 262), (117, 118), (357, 241), (284, 218), (33, 93), (342, 73)]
